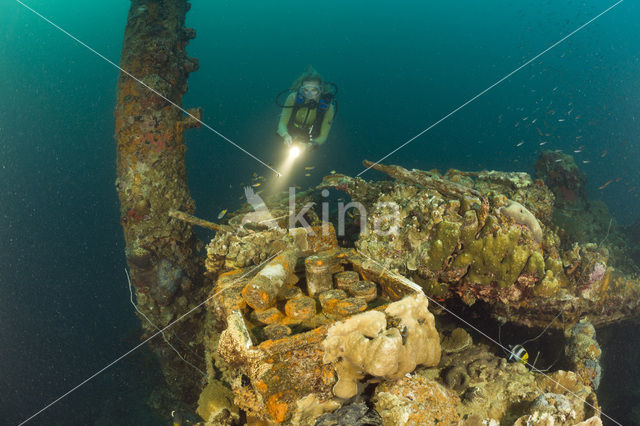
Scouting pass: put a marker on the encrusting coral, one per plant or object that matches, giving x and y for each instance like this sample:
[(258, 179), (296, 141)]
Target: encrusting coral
[(363, 344)]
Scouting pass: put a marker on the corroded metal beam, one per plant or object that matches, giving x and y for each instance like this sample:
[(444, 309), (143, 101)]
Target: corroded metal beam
[(151, 182)]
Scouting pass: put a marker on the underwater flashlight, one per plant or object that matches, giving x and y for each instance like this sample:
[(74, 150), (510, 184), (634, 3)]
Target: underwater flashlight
[(294, 151)]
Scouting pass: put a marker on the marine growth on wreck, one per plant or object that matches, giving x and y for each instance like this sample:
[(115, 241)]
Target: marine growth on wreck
[(300, 325), (379, 320)]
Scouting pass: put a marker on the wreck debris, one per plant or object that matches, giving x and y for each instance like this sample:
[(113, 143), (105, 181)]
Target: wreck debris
[(279, 342), (355, 414), (231, 250), (151, 179), (561, 174), (319, 270), (425, 179), (339, 323), (186, 217), (215, 405), (461, 246), (583, 352), (261, 291), (415, 400)]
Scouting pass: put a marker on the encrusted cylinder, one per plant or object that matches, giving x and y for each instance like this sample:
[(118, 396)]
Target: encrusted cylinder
[(367, 290), (277, 331), (329, 299), (301, 309), (268, 316), (260, 293), (344, 280), (350, 306), (318, 272), (290, 292)]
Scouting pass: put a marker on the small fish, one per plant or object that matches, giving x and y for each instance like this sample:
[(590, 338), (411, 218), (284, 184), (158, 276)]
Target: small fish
[(517, 124), (518, 354), (577, 150), (176, 418), (525, 118), (579, 137), (561, 120), (558, 160), (586, 161), (618, 179), (607, 183), (222, 213), (543, 143), (534, 121), (255, 174), (604, 154), (555, 88), (307, 174), (255, 185), (333, 172), (309, 167), (539, 131), (520, 143)]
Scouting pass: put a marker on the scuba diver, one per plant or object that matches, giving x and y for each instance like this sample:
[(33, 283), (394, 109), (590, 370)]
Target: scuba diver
[(308, 112)]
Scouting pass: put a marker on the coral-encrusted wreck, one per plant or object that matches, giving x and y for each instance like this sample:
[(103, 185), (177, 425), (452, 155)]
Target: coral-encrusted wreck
[(298, 326), (299, 329)]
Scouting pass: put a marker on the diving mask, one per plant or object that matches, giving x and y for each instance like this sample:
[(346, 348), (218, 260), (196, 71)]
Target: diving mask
[(310, 91)]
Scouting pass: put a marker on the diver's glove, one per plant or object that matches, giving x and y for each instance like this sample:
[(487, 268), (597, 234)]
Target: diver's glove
[(288, 140)]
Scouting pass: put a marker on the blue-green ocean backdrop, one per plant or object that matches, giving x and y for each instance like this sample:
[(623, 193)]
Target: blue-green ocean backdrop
[(399, 66)]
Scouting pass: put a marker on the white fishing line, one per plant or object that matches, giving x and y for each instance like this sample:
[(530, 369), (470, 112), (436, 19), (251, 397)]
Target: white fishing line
[(155, 326)]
